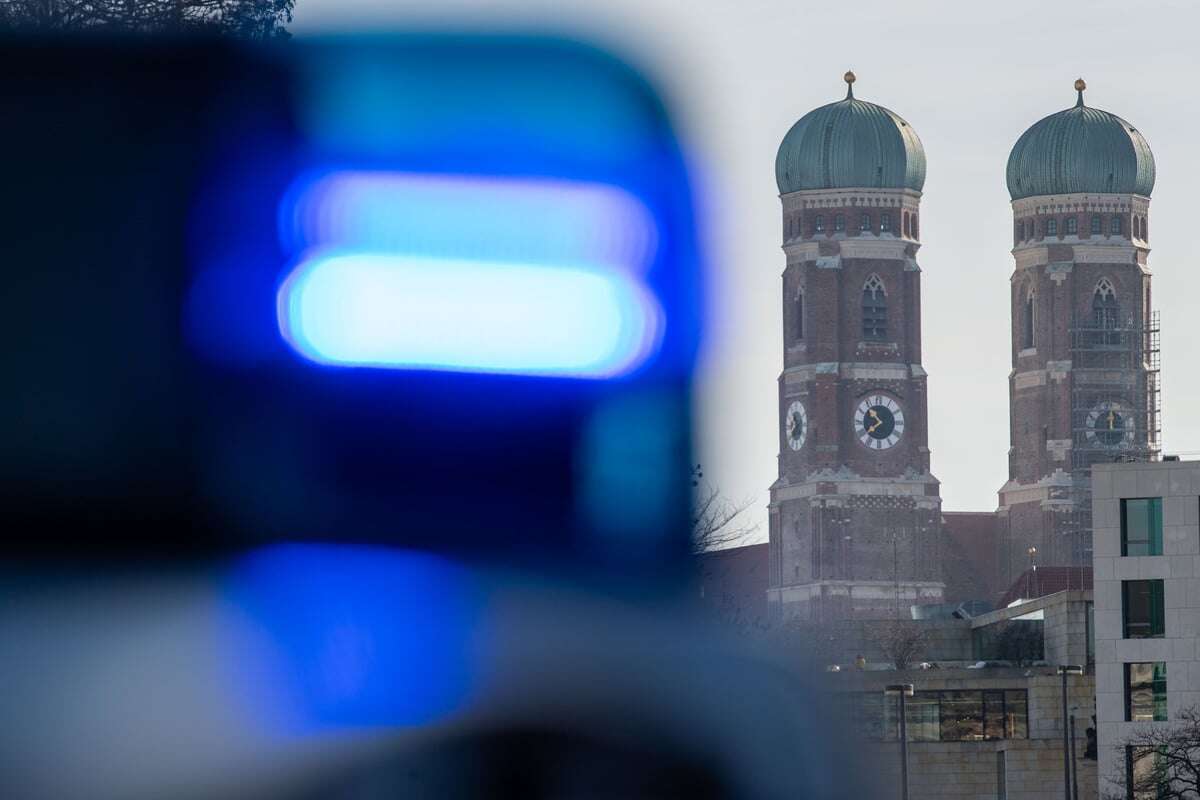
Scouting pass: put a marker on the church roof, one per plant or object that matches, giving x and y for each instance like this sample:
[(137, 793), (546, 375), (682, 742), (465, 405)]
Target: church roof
[(850, 144), (1081, 149)]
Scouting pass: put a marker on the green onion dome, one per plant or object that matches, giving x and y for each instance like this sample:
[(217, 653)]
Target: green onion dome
[(850, 144), (1080, 150)]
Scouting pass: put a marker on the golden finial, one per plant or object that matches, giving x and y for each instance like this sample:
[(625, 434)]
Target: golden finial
[(849, 78), (1080, 85)]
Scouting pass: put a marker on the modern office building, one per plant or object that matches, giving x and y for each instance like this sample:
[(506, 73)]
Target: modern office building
[(1147, 595)]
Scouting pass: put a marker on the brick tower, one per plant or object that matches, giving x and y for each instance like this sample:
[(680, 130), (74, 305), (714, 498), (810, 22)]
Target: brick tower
[(1084, 381), (855, 513)]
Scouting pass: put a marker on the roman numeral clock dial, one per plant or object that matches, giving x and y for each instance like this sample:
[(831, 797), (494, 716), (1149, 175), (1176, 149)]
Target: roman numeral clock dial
[(878, 422)]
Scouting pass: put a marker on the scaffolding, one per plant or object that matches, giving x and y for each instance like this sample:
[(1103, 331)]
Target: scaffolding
[(1115, 411)]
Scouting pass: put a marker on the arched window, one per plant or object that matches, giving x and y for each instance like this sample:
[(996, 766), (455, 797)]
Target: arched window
[(907, 224), (1072, 226), (915, 234), (798, 316), (1097, 224), (874, 310), (818, 224), (1052, 227), (885, 222), (1116, 225), (1028, 322), (839, 222), (1106, 313), (864, 223)]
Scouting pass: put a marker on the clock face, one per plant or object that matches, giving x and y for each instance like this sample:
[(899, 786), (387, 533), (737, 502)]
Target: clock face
[(1109, 424), (879, 422), (796, 424)]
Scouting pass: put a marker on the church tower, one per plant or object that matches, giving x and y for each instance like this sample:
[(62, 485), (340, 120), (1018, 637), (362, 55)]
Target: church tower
[(855, 523), (1084, 380)]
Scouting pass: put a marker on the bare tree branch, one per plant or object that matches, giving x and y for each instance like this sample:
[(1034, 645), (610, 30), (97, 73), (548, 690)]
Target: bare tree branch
[(716, 522), (901, 641), (250, 19), (1166, 759)]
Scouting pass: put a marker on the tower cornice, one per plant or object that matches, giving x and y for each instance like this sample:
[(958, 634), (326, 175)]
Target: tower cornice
[(1060, 203)]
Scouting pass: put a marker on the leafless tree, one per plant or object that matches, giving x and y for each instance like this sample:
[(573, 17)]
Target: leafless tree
[(901, 641), (1019, 642), (251, 19), (716, 521), (1166, 759)]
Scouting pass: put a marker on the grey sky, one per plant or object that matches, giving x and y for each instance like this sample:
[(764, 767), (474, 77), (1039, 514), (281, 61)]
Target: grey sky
[(970, 77)]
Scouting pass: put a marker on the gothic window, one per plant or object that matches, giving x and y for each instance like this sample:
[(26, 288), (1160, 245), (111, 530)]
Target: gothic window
[(1106, 312), (885, 221), (1116, 225), (907, 225), (818, 224), (1072, 226), (1028, 322), (874, 310), (1052, 227), (914, 227), (1097, 224), (865, 223), (839, 222)]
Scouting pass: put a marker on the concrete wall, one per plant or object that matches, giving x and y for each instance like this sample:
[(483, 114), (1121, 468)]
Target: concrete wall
[(969, 770), (1178, 483)]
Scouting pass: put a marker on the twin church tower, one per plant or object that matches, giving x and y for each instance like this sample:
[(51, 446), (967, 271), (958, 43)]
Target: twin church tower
[(856, 524)]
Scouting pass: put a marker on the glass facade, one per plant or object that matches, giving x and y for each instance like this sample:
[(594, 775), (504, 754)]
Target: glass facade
[(1146, 692), (949, 716), (1141, 527), (1142, 609)]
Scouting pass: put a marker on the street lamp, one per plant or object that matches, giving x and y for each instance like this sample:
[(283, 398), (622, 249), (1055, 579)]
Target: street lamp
[(902, 690), (1065, 670)]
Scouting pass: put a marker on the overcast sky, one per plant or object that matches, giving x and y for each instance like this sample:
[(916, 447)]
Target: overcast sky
[(970, 81)]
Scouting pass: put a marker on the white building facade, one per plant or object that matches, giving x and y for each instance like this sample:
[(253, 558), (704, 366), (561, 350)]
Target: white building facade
[(1147, 606)]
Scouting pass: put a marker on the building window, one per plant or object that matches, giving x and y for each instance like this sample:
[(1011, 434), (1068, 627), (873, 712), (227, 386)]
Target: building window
[(839, 222), (874, 310), (1028, 322), (946, 716), (1146, 692), (1052, 227), (1097, 224), (864, 223), (885, 221), (798, 316), (1116, 228), (1145, 773), (1106, 313), (1142, 609), (1141, 527), (818, 224), (1072, 226), (915, 233)]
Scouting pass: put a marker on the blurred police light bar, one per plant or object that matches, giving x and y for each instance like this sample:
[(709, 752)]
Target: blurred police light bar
[(396, 312), (530, 277)]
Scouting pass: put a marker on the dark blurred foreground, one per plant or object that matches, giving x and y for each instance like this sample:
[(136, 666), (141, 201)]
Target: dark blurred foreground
[(234, 570)]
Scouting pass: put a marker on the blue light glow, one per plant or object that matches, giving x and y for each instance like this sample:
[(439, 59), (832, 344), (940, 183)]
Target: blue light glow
[(325, 637), (395, 311), (528, 276), (488, 219)]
